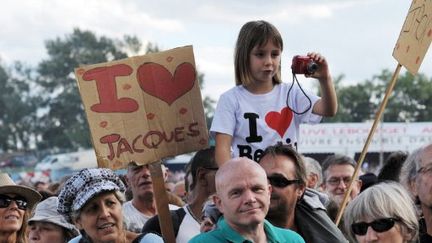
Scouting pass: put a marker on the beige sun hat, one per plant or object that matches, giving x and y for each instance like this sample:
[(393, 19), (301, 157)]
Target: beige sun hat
[(46, 211), (8, 186)]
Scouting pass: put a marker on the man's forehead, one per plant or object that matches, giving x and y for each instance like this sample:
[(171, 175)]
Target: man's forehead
[(276, 157), (241, 179), (285, 171), (279, 161), (135, 167), (340, 169), (242, 184)]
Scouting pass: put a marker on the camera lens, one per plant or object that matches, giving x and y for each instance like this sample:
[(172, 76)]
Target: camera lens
[(312, 67)]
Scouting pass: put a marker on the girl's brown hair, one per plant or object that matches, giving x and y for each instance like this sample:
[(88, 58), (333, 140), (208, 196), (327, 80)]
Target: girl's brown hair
[(253, 33)]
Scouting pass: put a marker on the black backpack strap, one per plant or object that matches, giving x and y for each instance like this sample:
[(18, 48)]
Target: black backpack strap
[(177, 217), (152, 225)]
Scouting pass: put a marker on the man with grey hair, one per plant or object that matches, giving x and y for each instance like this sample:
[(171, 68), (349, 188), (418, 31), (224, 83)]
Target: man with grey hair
[(337, 173), (313, 173), (416, 176), (143, 204)]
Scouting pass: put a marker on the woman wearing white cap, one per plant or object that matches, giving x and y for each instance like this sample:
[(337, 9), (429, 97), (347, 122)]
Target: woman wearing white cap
[(47, 225), (92, 199), (16, 203)]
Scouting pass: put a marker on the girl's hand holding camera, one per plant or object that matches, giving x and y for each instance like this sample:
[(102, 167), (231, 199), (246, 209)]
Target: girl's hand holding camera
[(312, 65), (322, 73)]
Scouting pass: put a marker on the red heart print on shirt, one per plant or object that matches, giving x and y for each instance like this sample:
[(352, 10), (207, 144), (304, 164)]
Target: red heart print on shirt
[(157, 81), (279, 121)]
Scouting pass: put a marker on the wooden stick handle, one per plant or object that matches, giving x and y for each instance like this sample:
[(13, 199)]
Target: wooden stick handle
[(368, 141), (160, 193)]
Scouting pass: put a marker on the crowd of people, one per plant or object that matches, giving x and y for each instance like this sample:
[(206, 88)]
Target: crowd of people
[(253, 186), (274, 200)]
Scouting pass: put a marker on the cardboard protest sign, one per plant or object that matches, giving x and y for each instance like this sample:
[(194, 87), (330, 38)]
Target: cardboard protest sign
[(143, 108), (415, 36)]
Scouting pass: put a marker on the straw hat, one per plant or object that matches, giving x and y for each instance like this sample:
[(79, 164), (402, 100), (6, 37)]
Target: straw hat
[(8, 186)]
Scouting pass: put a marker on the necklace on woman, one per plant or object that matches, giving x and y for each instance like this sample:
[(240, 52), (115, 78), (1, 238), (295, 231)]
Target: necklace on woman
[(191, 213)]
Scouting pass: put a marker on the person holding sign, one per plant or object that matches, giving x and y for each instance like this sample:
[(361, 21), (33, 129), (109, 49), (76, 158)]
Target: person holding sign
[(261, 110), (143, 204)]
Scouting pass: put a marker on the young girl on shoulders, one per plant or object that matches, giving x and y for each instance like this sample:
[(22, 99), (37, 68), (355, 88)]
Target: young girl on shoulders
[(258, 111)]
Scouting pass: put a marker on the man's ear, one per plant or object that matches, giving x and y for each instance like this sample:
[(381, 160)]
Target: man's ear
[(313, 178), (200, 176), (127, 180), (323, 186), (164, 172), (218, 202), (359, 184), (77, 223), (300, 191)]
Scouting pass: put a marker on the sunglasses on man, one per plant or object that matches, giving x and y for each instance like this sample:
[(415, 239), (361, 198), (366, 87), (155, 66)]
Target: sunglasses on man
[(5, 201), (280, 181), (379, 225)]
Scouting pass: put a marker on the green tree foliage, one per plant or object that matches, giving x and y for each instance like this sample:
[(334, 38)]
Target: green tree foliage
[(410, 100), (18, 105)]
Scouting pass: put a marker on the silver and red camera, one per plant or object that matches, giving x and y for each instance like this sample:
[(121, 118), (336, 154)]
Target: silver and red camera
[(303, 65)]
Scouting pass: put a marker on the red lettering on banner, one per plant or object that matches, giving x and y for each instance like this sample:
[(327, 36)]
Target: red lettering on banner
[(314, 131), (153, 78), (123, 146), (153, 143), (134, 143), (150, 140), (427, 130), (110, 139), (178, 134), (193, 132), (107, 89)]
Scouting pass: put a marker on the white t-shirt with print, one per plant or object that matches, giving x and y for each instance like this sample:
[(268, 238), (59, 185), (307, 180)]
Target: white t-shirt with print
[(256, 121)]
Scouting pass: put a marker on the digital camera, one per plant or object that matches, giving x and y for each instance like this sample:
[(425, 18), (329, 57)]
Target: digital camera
[(303, 65)]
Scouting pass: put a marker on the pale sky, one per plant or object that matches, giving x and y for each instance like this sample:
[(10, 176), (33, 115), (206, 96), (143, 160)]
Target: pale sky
[(356, 36)]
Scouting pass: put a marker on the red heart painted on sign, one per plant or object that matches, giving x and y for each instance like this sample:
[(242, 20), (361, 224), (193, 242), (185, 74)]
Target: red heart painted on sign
[(157, 81), (279, 121)]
